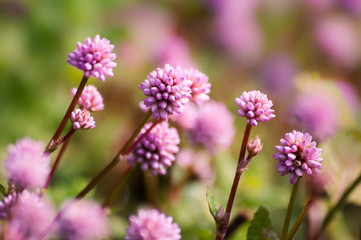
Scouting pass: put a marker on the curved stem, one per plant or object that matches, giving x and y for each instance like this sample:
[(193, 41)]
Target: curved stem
[(117, 187), (291, 204), (66, 117), (299, 220), (332, 211), (223, 228), (57, 160)]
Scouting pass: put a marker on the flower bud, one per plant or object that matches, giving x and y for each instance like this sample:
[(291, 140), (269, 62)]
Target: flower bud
[(254, 146)]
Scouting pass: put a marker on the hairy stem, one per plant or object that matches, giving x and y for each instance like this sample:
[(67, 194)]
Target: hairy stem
[(223, 227)]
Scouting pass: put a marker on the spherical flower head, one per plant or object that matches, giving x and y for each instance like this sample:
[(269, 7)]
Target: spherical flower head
[(83, 220), (167, 90), (255, 106), (30, 215), (200, 86), (156, 151), (26, 164), (152, 225), (94, 57), (90, 99), (199, 163), (82, 119), (6, 204), (203, 128), (298, 154), (254, 146)]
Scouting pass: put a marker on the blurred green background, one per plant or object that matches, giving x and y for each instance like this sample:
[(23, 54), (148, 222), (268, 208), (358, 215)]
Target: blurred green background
[(35, 83)]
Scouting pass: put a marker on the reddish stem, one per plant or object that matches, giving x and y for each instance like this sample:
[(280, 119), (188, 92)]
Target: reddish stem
[(66, 117), (239, 170)]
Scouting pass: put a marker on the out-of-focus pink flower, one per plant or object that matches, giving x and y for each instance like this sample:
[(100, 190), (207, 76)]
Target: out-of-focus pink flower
[(82, 119), (255, 106), (200, 86), (353, 6), (167, 90), (338, 38), (199, 163), (90, 98), (204, 128), (152, 225), (278, 74), (6, 204), (30, 215), (94, 57), (319, 6), (316, 114), (83, 220), (156, 150), (238, 30), (298, 154), (175, 51), (26, 163)]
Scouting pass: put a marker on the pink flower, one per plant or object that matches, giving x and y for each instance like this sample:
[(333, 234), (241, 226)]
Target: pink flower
[(298, 154), (26, 163), (339, 39), (90, 98), (156, 151), (316, 114), (82, 119), (167, 90), (254, 146), (204, 128), (200, 86), (255, 106), (199, 163), (83, 220), (29, 217), (6, 204), (94, 57), (152, 225)]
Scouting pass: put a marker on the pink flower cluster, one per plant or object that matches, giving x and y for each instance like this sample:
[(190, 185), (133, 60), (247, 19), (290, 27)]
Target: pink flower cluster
[(83, 220), (255, 106), (90, 98), (200, 86), (94, 57), (26, 164), (82, 119), (298, 154), (152, 225), (167, 90), (156, 150)]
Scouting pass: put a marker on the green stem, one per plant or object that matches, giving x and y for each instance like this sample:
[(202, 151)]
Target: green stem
[(291, 204), (298, 221), (332, 211), (117, 186), (66, 117), (223, 227)]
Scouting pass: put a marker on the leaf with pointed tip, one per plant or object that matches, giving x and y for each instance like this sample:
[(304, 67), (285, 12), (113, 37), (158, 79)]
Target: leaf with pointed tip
[(212, 204), (260, 228)]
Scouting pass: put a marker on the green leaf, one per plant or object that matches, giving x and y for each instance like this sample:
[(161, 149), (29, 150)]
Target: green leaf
[(260, 228), (3, 190), (212, 204)]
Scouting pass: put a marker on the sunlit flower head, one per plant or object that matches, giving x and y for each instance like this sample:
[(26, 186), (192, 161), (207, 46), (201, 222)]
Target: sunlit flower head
[(152, 225), (167, 90), (200, 86), (94, 57), (83, 220), (298, 154), (255, 106), (82, 119), (90, 98), (26, 164), (156, 150)]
